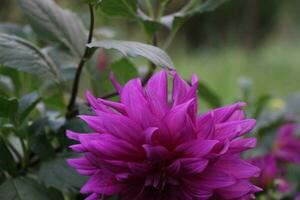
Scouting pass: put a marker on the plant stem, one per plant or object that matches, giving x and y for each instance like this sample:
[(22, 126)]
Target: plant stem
[(71, 112), (150, 8)]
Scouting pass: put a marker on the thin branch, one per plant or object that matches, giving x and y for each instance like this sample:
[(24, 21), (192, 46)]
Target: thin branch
[(87, 54)]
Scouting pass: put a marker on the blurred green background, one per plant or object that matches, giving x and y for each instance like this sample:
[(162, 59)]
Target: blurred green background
[(244, 42)]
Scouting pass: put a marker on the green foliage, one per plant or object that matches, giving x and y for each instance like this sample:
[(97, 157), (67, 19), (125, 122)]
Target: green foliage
[(7, 162), (134, 49), (53, 23), (124, 70), (58, 174), (120, 8), (8, 107), (24, 56), (25, 188)]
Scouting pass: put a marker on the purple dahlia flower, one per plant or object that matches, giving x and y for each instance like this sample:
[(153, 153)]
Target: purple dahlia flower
[(287, 145), (271, 175), (145, 147)]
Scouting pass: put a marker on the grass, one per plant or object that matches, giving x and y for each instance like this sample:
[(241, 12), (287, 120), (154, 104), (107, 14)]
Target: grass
[(273, 68)]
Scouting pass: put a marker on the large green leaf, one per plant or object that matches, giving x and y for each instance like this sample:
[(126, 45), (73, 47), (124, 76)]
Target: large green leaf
[(8, 107), (54, 23), (194, 7), (120, 8), (133, 49), (27, 104), (24, 56), (24, 188), (206, 6), (58, 174), (7, 162), (40, 143), (124, 70)]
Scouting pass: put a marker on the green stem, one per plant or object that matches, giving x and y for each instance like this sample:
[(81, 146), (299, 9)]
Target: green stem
[(150, 8), (25, 153), (71, 112)]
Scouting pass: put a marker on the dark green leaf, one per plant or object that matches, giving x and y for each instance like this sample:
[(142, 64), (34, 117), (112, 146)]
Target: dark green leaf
[(20, 54), (120, 8), (6, 86), (209, 95), (24, 188), (13, 29), (207, 6), (54, 23), (124, 70), (7, 162), (174, 20), (58, 174), (8, 107), (40, 144), (134, 49), (26, 104)]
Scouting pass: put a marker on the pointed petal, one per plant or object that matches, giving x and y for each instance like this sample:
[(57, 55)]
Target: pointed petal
[(117, 86), (195, 148), (176, 118), (156, 92)]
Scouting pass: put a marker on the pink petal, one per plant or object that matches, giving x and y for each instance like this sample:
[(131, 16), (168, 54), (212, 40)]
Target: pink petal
[(157, 93)]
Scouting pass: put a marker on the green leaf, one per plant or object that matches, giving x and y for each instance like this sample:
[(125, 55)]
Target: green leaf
[(54, 23), (7, 162), (173, 21), (124, 70), (134, 49), (26, 104), (24, 188), (119, 8), (209, 95), (40, 144), (24, 56), (8, 107), (207, 6), (58, 174), (13, 29)]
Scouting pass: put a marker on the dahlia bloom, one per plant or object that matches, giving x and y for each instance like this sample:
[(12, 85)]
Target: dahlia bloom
[(287, 145), (269, 170), (271, 175), (145, 147)]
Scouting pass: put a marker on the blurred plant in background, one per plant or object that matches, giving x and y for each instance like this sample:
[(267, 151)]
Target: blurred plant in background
[(57, 50)]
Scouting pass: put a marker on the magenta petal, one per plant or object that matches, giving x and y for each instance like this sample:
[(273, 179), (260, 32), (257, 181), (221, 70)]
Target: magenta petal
[(195, 148), (214, 178), (237, 167), (180, 89), (157, 153), (193, 165), (241, 144), (93, 196), (225, 113), (205, 126), (117, 86), (176, 118), (234, 129), (102, 183), (157, 93), (237, 190)]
